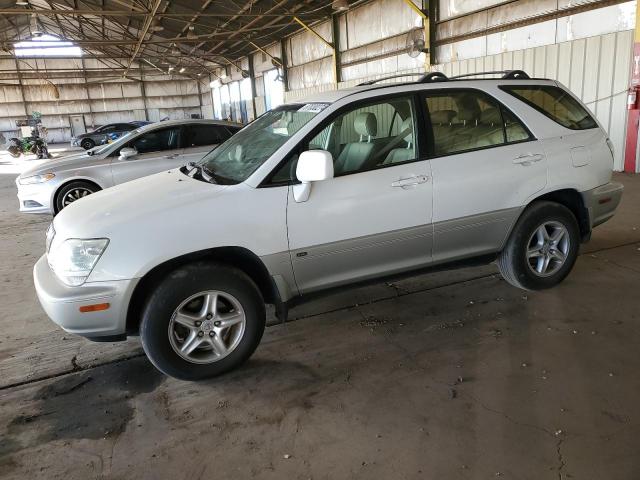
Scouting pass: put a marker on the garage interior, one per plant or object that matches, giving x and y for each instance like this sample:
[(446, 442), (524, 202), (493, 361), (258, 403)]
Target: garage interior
[(445, 375)]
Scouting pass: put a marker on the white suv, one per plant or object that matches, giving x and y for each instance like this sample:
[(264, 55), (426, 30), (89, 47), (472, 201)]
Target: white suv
[(347, 187)]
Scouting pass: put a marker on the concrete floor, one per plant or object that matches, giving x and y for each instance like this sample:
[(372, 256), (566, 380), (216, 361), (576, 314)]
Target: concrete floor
[(444, 376)]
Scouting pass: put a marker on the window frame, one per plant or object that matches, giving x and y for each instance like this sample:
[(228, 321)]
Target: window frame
[(424, 95), (129, 144), (419, 135), (508, 90)]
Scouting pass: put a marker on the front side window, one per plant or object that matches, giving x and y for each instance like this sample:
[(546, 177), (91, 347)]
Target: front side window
[(368, 137), (464, 120), (157, 140), (237, 158), (555, 103)]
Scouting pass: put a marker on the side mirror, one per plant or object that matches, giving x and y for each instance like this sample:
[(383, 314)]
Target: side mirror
[(127, 152), (313, 166)]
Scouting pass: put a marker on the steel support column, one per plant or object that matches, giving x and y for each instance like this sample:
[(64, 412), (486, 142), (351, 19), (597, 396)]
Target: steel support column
[(633, 117)]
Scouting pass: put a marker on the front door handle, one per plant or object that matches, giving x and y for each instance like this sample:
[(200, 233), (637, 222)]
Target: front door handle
[(407, 182), (527, 159)]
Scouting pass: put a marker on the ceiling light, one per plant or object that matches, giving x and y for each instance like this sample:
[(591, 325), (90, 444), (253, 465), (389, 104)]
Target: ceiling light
[(191, 33), (170, 69), (22, 3), (182, 70), (36, 28), (340, 5)]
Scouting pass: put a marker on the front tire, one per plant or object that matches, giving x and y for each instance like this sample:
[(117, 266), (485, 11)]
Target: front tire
[(87, 144), (202, 320), (74, 191), (542, 248)]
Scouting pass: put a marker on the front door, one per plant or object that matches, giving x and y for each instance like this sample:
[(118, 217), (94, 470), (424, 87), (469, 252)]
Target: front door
[(486, 166), (158, 150), (374, 217)]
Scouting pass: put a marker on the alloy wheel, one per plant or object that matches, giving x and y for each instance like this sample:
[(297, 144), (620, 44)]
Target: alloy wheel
[(75, 194), (548, 248), (207, 326)]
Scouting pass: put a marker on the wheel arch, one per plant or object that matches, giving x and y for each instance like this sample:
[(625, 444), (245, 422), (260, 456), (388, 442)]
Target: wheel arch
[(570, 198), (237, 257)]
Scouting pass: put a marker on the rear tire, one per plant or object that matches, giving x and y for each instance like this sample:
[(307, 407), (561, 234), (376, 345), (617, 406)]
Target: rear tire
[(184, 329), (542, 248), (74, 191), (87, 144)]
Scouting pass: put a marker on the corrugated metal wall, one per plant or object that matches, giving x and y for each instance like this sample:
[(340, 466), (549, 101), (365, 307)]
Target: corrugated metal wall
[(98, 102), (596, 69)]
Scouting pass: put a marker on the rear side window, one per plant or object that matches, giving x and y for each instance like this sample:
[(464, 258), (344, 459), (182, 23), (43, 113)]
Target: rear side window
[(201, 135), (555, 103), (465, 120)]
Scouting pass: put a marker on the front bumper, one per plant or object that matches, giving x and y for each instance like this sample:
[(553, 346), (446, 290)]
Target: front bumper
[(62, 303), (75, 142), (601, 202), (35, 198)]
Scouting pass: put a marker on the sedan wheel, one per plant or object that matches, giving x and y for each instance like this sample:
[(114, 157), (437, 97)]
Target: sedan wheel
[(72, 192), (75, 194)]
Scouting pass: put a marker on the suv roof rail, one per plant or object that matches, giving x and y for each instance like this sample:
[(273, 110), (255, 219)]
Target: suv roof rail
[(506, 74), (441, 77), (399, 75)]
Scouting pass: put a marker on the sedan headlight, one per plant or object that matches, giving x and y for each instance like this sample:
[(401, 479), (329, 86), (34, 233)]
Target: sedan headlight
[(73, 260), (45, 177)]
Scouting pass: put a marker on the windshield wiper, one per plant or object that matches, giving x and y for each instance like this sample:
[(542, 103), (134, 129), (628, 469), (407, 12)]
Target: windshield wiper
[(200, 170)]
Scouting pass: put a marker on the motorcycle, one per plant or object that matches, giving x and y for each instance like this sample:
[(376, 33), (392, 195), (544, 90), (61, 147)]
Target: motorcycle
[(35, 145)]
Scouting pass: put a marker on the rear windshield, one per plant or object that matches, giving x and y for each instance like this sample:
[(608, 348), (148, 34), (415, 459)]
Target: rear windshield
[(555, 103)]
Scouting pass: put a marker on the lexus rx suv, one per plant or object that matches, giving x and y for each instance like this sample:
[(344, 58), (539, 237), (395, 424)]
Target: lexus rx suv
[(378, 181)]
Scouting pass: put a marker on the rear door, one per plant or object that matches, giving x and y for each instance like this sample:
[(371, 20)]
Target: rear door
[(159, 149), (200, 138), (486, 165)]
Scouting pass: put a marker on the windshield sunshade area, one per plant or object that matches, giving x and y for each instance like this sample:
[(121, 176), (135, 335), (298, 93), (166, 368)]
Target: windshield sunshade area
[(236, 159)]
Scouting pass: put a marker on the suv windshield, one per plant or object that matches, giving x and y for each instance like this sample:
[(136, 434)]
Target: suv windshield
[(237, 158)]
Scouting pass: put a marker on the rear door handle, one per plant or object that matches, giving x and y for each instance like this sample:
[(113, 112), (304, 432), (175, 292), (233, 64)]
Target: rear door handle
[(527, 159), (407, 182)]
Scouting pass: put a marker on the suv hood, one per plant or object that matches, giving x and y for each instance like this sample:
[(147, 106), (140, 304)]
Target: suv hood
[(133, 204)]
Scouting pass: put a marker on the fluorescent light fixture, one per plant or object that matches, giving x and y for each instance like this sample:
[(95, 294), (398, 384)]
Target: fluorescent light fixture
[(22, 3), (46, 46), (182, 70)]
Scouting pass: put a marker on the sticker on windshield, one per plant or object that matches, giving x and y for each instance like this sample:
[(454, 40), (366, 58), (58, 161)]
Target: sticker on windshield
[(313, 107)]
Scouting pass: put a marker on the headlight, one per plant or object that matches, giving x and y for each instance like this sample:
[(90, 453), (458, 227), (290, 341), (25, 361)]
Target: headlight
[(73, 260), (45, 177), (49, 237)]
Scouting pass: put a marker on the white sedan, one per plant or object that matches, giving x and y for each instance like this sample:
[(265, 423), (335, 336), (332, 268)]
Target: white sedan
[(51, 186)]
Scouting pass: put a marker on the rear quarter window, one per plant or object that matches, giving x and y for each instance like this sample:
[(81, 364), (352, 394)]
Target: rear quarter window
[(554, 103)]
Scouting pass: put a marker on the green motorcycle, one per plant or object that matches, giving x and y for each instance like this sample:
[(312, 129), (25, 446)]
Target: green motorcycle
[(35, 145)]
